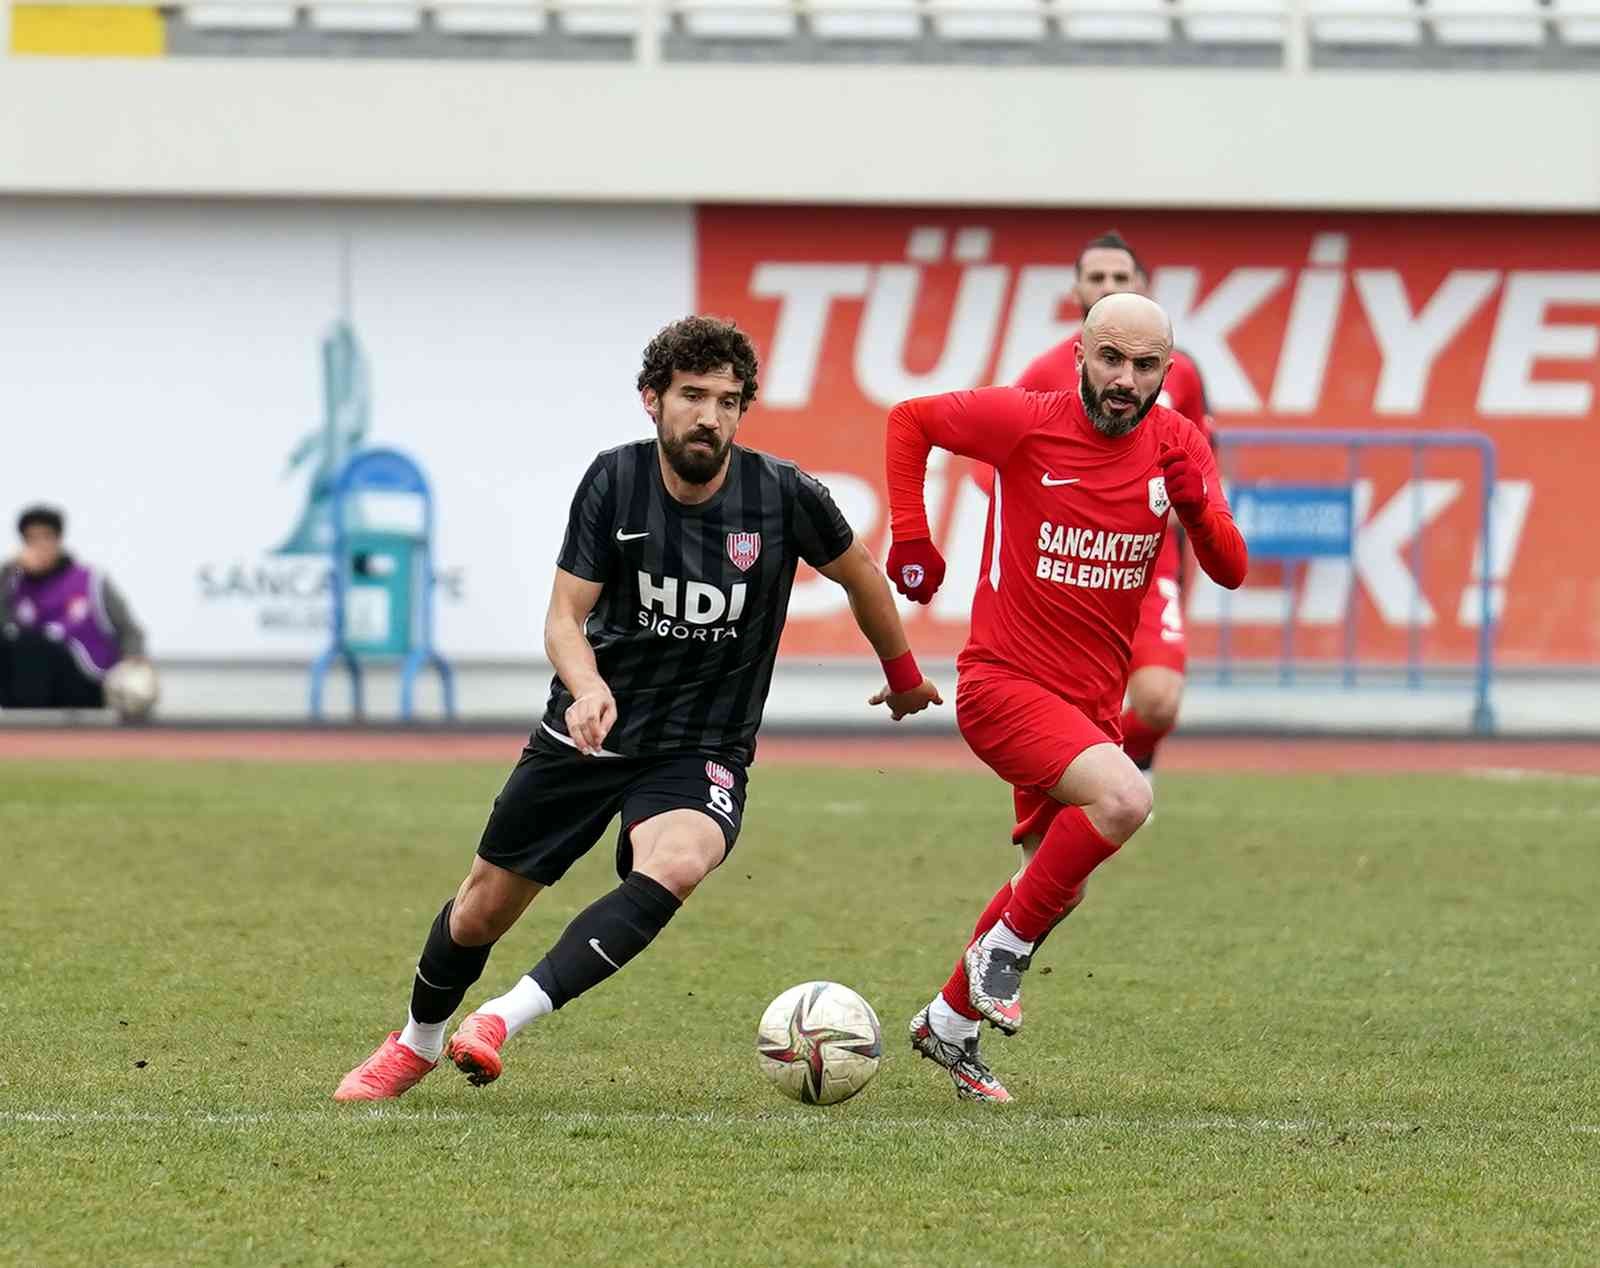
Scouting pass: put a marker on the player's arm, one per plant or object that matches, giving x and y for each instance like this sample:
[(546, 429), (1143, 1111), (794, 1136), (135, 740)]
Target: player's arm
[(588, 556), (592, 712), (906, 690), (986, 424), (1195, 489), (827, 542)]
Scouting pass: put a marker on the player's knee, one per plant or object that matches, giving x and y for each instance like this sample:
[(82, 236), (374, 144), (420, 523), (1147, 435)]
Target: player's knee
[(1157, 704), (1123, 807), (483, 911), (475, 924), (681, 860)]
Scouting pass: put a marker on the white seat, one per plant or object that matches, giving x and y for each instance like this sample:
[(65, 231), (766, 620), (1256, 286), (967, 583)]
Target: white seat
[(367, 16), (866, 19), (606, 18), (239, 17), (1234, 21), (990, 21), (1577, 21), (1386, 22), (740, 19), (491, 17), (1487, 23), (1115, 21)]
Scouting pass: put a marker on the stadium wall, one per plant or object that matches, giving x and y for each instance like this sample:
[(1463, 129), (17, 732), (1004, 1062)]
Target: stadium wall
[(162, 380), (882, 134)]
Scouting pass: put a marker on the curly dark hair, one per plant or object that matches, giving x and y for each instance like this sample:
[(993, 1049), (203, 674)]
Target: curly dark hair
[(698, 345)]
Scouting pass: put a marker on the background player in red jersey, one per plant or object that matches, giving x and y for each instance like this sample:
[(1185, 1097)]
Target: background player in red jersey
[(1084, 485), (1108, 265)]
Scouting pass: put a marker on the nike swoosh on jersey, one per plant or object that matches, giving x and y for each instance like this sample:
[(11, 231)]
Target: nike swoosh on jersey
[(1050, 482), (631, 537)]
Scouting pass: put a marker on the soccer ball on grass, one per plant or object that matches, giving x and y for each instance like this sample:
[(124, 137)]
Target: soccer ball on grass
[(819, 1043)]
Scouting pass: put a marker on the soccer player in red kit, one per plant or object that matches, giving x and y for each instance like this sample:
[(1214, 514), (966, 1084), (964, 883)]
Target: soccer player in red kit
[(1108, 265), (1085, 484)]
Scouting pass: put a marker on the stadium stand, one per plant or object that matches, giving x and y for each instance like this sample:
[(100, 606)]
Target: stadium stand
[(1235, 21), (1480, 34), (1384, 23), (990, 21), (239, 17), (1488, 23), (898, 21), (488, 18)]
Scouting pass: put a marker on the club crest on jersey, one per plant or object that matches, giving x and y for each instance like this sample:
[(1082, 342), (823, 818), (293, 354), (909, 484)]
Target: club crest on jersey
[(721, 776), (744, 549), (1159, 501), (912, 575)]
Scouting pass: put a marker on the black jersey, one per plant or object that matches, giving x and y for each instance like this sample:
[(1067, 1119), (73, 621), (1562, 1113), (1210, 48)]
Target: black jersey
[(686, 629)]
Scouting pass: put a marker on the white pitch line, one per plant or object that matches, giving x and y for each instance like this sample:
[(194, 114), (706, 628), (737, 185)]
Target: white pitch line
[(1004, 1120), (1521, 774)]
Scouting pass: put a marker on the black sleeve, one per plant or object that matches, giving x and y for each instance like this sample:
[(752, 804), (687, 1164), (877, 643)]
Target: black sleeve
[(587, 550), (821, 534)]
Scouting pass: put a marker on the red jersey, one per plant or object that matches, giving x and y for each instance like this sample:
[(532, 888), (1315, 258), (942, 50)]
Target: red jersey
[(1079, 520), (1184, 390)]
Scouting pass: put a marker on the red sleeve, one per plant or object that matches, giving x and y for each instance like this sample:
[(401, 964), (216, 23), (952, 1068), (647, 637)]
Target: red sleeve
[(1218, 544), (985, 424)]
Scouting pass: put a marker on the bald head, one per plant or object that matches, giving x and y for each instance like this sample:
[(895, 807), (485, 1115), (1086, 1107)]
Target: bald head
[(1134, 317), (1122, 361)]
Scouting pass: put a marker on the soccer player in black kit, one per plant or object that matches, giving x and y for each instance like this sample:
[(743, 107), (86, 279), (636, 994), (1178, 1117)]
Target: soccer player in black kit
[(670, 594)]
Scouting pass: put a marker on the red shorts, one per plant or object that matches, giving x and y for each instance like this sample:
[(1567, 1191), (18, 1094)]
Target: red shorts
[(1027, 735), (1160, 638)]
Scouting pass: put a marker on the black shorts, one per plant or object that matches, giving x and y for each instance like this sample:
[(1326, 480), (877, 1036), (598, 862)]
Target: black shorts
[(557, 803)]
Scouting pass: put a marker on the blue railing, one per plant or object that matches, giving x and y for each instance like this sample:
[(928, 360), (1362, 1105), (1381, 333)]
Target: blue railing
[(1355, 444)]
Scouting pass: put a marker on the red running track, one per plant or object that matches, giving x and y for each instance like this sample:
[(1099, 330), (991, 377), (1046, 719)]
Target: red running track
[(1212, 754)]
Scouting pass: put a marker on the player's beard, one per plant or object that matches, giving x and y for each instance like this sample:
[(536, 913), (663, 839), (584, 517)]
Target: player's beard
[(1105, 422), (694, 466)]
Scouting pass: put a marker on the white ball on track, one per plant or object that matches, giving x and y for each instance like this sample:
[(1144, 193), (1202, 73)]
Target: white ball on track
[(131, 688)]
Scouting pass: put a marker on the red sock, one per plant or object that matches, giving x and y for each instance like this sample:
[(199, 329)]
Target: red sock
[(1139, 739), (955, 990), (1071, 849)]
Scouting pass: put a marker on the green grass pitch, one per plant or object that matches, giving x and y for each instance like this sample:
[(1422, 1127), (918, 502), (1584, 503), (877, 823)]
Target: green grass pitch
[(1322, 1020)]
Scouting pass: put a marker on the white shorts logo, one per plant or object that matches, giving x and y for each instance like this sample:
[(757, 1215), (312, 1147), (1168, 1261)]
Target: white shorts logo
[(719, 775), (912, 575), (1159, 501)]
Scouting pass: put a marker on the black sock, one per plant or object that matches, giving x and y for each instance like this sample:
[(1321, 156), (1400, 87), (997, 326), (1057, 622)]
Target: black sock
[(445, 972), (604, 936)]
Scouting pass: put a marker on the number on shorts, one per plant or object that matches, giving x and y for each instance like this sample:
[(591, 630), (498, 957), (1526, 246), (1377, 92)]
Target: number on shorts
[(721, 800)]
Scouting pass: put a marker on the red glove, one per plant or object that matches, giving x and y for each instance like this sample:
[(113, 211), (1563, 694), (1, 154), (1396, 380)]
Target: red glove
[(916, 568), (1186, 487)]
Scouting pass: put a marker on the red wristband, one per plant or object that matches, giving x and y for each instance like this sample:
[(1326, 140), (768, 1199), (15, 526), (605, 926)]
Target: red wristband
[(902, 672)]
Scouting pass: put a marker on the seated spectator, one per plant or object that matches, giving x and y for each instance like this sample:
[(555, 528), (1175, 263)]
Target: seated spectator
[(62, 623)]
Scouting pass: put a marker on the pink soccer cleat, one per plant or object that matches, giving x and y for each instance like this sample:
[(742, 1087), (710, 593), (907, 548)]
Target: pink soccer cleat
[(391, 1071), (973, 1078), (475, 1047)]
